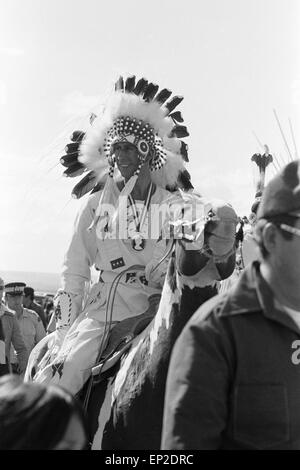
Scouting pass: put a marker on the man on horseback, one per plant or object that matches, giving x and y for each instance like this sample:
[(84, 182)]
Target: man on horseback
[(135, 156)]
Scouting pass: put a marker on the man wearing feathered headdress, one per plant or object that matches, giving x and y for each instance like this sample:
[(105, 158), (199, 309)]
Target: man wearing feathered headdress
[(136, 160)]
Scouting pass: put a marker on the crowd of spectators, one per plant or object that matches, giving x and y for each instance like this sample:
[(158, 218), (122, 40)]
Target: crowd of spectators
[(24, 319)]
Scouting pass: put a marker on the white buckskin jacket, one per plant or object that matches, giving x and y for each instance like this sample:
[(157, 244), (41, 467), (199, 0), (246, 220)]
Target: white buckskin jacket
[(110, 257)]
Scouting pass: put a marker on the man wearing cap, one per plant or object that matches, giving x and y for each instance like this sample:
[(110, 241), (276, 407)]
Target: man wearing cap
[(10, 335), (234, 376), (28, 302), (30, 323)]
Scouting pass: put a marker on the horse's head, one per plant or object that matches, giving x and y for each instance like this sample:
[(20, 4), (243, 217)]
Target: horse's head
[(204, 231)]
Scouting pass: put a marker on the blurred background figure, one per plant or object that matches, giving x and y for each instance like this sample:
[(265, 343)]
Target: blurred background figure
[(3, 365), (49, 311), (35, 417), (30, 324), (10, 336), (28, 302), (1, 290), (247, 250)]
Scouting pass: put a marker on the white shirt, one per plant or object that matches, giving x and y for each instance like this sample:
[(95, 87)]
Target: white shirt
[(87, 249)]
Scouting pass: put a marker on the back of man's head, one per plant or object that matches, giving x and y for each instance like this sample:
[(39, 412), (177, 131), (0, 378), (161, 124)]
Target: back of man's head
[(280, 201), (29, 292), (282, 194)]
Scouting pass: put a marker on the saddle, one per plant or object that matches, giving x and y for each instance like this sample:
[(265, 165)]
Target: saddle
[(121, 336)]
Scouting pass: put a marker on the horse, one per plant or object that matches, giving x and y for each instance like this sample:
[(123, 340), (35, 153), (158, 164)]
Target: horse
[(124, 398), (125, 405)]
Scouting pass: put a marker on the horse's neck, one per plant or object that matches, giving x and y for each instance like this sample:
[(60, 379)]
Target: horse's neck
[(143, 370), (178, 303)]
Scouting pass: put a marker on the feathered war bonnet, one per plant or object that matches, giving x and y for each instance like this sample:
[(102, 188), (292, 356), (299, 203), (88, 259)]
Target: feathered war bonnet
[(136, 112)]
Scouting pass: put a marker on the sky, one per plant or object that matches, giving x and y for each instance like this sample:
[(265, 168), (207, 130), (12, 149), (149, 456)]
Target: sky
[(234, 61)]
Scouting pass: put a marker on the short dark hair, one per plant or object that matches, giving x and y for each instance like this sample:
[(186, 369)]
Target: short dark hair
[(29, 291), (34, 416)]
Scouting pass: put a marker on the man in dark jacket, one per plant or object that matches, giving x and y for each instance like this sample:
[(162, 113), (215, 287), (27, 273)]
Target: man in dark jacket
[(234, 376)]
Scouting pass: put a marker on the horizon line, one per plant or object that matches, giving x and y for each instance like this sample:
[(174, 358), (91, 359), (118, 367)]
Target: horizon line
[(23, 271)]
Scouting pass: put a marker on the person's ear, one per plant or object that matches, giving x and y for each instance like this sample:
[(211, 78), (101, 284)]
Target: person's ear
[(269, 234)]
